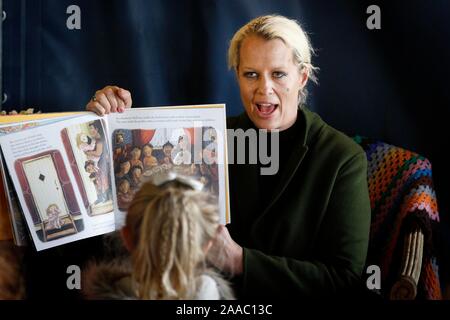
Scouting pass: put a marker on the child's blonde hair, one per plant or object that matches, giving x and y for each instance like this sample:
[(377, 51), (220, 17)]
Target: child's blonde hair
[(170, 227)]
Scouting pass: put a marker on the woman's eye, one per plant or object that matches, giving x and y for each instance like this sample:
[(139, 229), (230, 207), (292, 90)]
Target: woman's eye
[(279, 74), (250, 75)]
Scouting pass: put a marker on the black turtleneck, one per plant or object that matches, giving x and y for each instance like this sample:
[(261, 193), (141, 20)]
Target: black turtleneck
[(268, 183)]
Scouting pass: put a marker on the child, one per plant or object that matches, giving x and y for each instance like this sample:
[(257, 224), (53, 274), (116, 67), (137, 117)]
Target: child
[(54, 220), (100, 180), (169, 229), (136, 157), (85, 144), (124, 170), (149, 160), (124, 194), (135, 177), (120, 148)]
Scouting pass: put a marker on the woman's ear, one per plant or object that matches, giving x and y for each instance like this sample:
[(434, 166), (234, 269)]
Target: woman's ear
[(126, 238), (303, 78)]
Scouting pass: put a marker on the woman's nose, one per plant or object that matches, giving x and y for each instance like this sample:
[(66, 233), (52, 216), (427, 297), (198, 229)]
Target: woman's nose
[(265, 86)]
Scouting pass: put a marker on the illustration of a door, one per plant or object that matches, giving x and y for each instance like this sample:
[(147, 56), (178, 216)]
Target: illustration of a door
[(46, 190)]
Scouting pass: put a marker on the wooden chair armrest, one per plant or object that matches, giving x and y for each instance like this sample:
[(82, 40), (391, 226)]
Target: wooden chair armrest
[(406, 287)]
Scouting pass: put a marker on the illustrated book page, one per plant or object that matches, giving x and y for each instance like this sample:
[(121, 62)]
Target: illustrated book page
[(188, 140), (62, 178)]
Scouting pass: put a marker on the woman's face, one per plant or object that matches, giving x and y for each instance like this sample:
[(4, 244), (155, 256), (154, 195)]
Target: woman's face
[(269, 82)]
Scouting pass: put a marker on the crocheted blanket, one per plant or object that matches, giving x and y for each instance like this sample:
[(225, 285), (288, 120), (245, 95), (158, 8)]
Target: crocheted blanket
[(401, 194)]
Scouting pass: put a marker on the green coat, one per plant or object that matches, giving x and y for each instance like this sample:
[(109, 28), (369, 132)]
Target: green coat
[(312, 238)]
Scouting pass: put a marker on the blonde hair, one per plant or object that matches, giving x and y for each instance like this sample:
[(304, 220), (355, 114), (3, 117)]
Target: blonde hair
[(52, 205), (170, 227), (289, 31)]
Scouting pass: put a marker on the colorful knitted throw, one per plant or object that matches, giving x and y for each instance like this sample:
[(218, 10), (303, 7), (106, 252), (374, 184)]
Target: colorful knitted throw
[(401, 196)]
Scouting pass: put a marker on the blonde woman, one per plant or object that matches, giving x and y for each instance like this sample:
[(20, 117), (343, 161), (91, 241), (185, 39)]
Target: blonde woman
[(170, 226), (302, 231)]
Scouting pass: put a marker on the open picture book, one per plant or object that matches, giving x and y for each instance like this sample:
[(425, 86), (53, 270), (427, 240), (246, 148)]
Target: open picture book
[(72, 177)]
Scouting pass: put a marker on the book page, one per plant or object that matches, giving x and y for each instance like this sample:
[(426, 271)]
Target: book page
[(18, 118), (12, 222), (189, 140), (61, 173)]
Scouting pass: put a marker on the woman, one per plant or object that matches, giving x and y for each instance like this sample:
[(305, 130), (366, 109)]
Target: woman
[(102, 166), (304, 231)]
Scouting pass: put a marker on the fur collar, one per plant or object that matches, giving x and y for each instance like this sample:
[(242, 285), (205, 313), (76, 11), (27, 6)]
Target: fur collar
[(112, 281)]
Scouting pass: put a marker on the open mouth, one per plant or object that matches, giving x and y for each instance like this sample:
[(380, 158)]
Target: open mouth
[(266, 109)]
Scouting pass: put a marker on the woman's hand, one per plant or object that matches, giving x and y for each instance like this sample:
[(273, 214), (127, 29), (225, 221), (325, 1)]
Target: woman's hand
[(225, 254), (110, 99)]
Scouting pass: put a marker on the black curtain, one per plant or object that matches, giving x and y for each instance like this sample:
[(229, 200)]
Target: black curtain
[(390, 84)]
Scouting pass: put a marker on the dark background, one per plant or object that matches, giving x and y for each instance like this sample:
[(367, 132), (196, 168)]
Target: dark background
[(389, 84)]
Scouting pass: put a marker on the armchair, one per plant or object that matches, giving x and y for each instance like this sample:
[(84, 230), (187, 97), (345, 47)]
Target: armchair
[(404, 215)]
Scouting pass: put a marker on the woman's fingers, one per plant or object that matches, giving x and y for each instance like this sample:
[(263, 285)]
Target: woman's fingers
[(125, 95), (101, 98), (95, 107), (110, 99), (225, 253), (120, 106)]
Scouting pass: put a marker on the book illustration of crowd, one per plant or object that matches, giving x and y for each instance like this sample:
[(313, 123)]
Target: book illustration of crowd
[(138, 154)]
